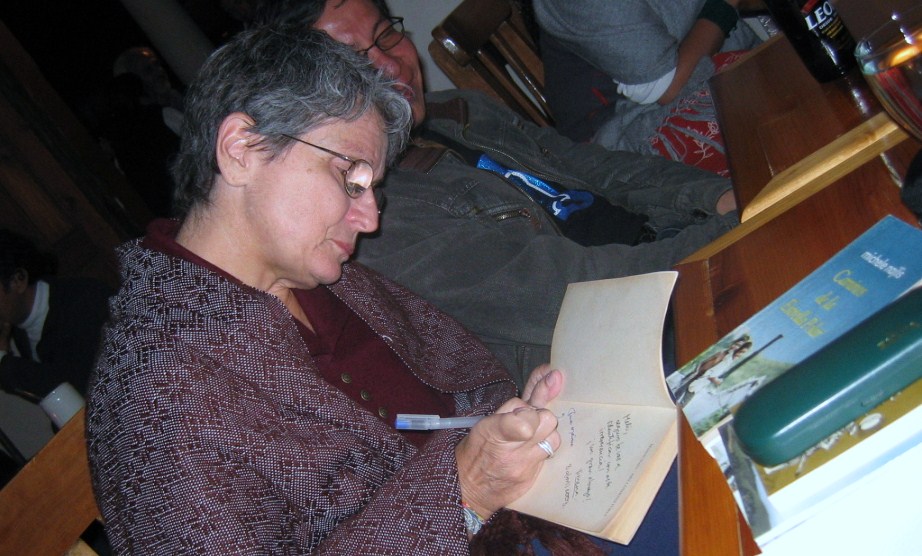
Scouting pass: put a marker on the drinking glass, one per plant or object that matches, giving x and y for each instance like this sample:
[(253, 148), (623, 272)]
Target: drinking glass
[(891, 61)]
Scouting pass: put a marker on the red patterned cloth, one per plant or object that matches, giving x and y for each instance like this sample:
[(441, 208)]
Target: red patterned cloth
[(351, 357), (691, 134)]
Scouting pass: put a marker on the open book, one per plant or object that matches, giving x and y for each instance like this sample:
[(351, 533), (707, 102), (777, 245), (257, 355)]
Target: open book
[(617, 422), (867, 275)]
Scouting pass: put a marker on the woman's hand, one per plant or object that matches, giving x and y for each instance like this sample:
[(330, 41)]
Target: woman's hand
[(500, 458), (543, 385)]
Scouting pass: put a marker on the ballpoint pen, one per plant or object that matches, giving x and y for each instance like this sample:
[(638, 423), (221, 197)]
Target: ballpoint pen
[(415, 422)]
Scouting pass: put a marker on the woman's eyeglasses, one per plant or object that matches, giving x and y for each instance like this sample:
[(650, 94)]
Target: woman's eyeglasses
[(357, 178)]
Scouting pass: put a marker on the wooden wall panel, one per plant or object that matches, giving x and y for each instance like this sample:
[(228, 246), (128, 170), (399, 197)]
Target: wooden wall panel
[(56, 184)]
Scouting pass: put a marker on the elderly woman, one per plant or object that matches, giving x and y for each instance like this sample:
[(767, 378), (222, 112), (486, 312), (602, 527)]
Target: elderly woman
[(244, 400)]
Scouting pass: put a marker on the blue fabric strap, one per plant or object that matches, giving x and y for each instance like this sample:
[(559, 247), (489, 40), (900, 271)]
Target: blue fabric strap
[(560, 205)]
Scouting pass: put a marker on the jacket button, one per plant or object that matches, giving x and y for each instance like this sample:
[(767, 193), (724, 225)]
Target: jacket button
[(382, 412), (346, 378), (366, 395)]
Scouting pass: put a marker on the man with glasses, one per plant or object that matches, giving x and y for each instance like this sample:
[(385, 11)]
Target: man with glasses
[(482, 237)]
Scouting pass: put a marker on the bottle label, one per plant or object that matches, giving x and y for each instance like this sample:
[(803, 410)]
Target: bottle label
[(817, 33), (823, 20)]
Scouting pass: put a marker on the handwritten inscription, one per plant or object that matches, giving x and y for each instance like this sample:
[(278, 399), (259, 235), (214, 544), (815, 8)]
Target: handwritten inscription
[(568, 425), (603, 457), (567, 483)]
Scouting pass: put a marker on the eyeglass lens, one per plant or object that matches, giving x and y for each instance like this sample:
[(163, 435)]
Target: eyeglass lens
[(388, 38), (391, 36), (358, 178)]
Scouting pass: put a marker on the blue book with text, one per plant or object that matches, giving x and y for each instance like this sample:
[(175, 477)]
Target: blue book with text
[(862, 278)]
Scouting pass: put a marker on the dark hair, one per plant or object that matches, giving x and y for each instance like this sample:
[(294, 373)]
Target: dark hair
[(289, 80), (19, 252), (743, 347), (299, 12), (512, 533)]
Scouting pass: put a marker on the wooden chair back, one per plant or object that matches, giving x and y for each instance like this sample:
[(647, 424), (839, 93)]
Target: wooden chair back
[(485, 45), (47, 506)]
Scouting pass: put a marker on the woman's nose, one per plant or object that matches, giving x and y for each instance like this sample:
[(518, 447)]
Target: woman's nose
[(364, 213)]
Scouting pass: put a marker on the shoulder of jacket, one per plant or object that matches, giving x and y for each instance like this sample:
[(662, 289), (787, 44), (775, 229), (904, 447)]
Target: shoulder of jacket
[(421, 155)]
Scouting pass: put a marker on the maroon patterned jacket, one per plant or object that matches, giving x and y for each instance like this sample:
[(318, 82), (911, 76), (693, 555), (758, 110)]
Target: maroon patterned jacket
[(211, 432)]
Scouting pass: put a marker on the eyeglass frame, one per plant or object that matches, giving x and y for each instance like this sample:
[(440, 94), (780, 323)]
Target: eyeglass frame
[(354, 162), (394, 23)]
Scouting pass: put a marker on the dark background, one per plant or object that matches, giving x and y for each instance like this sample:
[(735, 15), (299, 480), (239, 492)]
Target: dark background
[(75, 43)]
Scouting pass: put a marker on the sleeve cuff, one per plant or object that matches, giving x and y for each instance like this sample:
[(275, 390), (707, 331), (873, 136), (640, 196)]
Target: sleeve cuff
[(721, 14)]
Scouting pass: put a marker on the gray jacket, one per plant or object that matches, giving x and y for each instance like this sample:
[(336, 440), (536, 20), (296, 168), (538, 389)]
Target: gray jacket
[(485, 253)]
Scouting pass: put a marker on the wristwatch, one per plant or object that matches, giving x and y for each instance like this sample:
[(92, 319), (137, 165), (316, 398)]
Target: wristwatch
[(472, 521)]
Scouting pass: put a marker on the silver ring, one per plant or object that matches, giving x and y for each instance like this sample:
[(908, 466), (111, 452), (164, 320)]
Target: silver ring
[(546, 446)]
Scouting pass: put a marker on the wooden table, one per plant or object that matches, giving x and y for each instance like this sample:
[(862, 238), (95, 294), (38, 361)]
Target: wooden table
[(717, 292), (788, 135), (775, 117)]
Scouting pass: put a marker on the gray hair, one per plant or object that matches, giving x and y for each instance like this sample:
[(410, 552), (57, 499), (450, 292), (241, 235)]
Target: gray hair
[(289, 80)]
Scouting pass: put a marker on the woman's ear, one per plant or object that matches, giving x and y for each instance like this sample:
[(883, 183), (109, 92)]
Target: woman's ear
[(234, 156)]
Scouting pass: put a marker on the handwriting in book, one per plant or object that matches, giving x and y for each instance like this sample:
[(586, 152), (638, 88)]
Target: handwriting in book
[(597, 459)]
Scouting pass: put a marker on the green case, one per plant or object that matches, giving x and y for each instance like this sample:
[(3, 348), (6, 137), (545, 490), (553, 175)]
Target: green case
[(837, 384)]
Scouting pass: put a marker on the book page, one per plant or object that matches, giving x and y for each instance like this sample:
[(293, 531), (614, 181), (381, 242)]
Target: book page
[(608, 340), (617, 423), (878, 514), (606, 451)]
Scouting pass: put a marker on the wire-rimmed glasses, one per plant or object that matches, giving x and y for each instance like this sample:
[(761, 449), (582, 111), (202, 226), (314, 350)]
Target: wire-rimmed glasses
[(357, 178)]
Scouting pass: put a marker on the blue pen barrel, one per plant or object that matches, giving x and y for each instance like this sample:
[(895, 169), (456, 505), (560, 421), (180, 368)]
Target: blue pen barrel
[(416, 422)]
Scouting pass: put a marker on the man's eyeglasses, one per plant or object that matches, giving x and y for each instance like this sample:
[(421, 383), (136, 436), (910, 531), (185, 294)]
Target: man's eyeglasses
[(357, 177), (388, 38)]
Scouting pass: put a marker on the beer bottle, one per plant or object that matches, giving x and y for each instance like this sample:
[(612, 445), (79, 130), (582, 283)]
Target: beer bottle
[(818, 35)]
